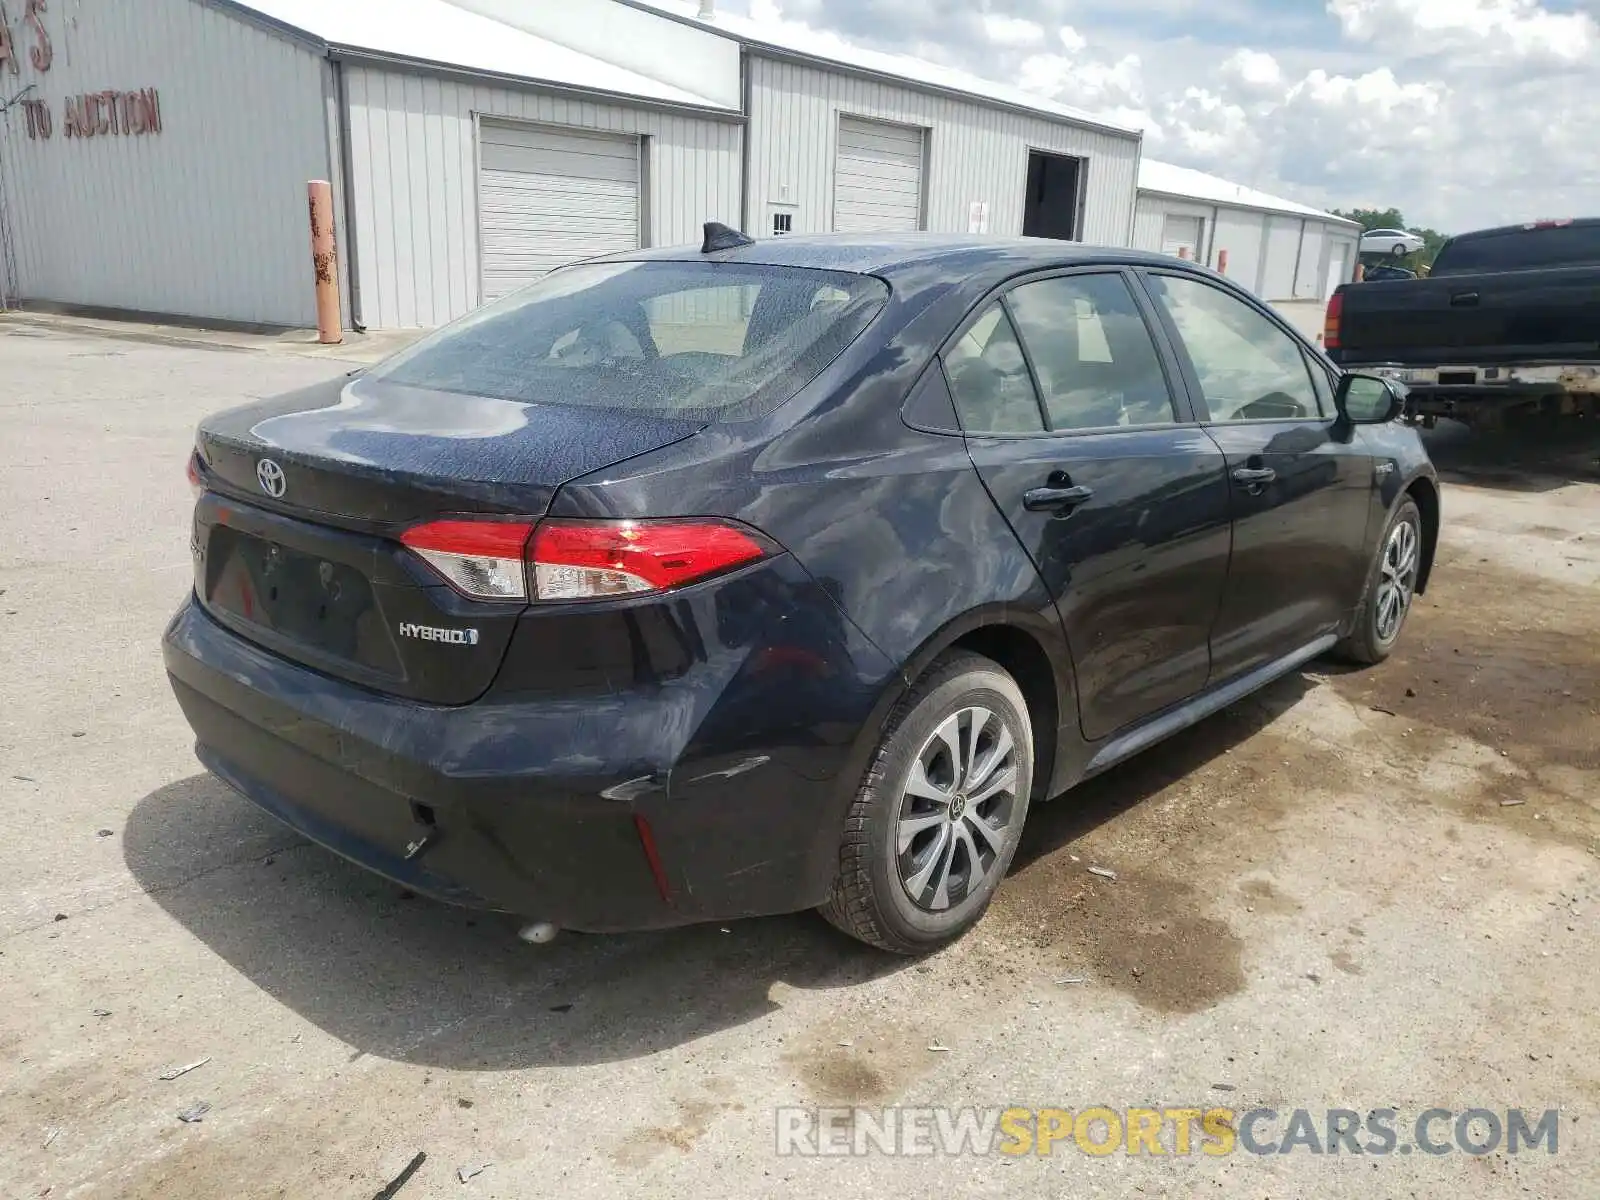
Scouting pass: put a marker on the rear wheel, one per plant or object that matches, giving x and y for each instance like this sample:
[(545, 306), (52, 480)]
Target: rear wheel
[(937, 820), (1390, 589), (1399, 250)]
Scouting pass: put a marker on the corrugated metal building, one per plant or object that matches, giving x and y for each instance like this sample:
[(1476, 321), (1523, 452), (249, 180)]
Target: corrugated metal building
[(847, 138), (158, 156), (1287, 253), (410, 107)]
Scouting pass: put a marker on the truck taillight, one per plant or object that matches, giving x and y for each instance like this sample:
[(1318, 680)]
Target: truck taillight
[(580, 560), (1330, 325)]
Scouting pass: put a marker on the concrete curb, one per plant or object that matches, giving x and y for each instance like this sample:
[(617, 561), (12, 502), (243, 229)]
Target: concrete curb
[(356, 348)]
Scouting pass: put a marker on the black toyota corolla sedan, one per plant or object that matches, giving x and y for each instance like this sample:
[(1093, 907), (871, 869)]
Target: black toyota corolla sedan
[(718, 581)]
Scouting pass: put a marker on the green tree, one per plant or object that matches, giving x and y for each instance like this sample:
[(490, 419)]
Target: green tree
[(1373, 218)]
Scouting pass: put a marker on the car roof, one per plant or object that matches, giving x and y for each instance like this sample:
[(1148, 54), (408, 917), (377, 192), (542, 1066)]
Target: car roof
[(889, 255)]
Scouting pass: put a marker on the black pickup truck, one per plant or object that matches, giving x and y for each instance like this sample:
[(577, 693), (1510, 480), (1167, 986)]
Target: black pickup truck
[(1507, 323)]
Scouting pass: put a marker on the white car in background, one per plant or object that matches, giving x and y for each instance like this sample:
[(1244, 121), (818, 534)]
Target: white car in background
[(1396, 242)]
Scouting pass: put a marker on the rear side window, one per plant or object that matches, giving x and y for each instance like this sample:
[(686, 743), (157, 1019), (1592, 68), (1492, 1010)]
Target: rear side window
[(1520, 249), (989, 378), (1096, 361), (680, 339)]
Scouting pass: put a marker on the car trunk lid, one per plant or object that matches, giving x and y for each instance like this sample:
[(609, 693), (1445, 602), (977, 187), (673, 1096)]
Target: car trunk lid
[(297, 537)]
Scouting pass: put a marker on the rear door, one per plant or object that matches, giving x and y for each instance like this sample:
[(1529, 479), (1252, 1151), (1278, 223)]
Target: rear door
[(1301, 481), (1119, 497)]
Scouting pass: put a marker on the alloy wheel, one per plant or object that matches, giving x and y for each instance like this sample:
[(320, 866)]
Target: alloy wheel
[(1397, 581), (956, 809)]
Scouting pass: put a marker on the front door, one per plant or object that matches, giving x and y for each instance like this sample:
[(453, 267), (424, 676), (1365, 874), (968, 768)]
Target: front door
[(1120, 498), (1301, 480)]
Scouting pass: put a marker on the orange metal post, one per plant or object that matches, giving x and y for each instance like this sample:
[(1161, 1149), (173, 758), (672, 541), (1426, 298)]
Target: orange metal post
[(1361, 272), (325, 262), (1222, 262), (1183, 253)]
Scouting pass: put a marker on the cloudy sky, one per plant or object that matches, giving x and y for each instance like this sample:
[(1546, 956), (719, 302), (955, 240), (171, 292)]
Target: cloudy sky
[(1463, 113)]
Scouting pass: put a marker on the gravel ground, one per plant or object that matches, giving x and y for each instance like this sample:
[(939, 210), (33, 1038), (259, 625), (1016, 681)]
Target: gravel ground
[(1355, 889)]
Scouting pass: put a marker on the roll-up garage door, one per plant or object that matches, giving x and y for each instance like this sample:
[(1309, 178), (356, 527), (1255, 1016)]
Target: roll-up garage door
[(1180, 234), (877, 177), (549, 196)]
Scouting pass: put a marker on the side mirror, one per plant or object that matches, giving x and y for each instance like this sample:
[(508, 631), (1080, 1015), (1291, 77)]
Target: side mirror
[(1369, 399)]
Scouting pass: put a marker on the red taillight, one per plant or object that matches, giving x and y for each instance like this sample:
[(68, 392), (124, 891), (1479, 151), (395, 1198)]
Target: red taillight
[(579, 560), (197, 482), (1330, 326), (586, 560), (482, 559)]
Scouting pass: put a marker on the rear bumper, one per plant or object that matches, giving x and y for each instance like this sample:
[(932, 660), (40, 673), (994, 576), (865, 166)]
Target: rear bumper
[(738, 770)]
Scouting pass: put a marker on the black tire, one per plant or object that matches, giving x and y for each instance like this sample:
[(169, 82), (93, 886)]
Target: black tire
[(870, 899), (1371, 640), (1399, 250)]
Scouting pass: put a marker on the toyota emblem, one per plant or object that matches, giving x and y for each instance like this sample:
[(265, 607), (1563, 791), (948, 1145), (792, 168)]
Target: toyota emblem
[(270, 476)]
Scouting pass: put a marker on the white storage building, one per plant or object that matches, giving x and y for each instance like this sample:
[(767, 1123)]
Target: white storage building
[(1287, 253), (154, 156)]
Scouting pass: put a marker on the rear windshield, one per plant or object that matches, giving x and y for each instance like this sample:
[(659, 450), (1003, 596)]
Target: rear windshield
[(682, 339), (1521, 249)]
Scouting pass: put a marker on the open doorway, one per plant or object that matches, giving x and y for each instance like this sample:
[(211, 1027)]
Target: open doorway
[(1051, 207)]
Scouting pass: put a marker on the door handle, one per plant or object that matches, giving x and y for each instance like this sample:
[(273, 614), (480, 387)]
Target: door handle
[(1254, 476), (1055, 499), (1463, 299)]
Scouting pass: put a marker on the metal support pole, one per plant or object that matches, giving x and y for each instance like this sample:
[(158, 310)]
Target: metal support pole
[(325, 262)]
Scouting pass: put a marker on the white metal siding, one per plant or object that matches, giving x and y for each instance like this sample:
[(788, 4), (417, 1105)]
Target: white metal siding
[(1239, 232), (975, 152), (1283, 246), (206, 218), (1309, 274), (414, 166), (1341, 255), (877, 182), (1336, 265), (1149, 218), (550, 196)]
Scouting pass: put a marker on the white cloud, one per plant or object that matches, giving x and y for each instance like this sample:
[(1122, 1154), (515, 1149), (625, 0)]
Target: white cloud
[(1089, 83), (1463, 113), (1071, 39), (1012, 31), (1253, 68), (1489, 28)]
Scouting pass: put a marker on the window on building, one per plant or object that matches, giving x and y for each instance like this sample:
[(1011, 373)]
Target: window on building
[(782, 223)]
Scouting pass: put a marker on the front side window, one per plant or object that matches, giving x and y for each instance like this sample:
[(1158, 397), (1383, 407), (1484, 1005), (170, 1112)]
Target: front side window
[(989, 378), (1323, 382), (1249, 369), (1097, 363), (679, 339)]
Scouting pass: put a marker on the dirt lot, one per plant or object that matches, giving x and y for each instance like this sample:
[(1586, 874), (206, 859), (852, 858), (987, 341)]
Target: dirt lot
[(1356, 889)]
